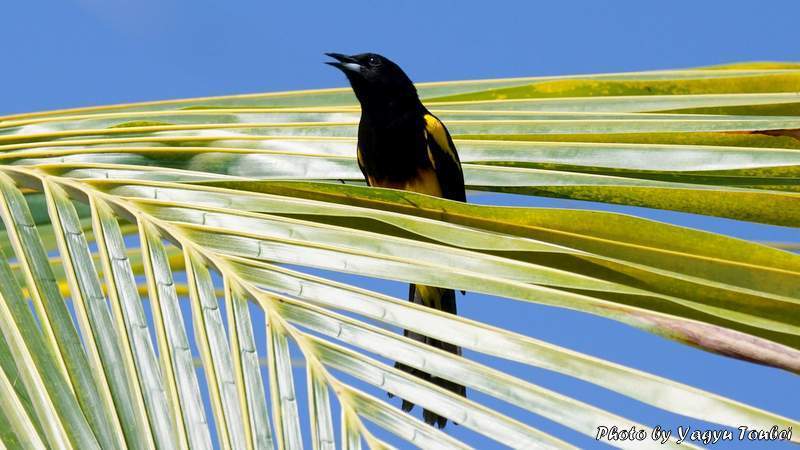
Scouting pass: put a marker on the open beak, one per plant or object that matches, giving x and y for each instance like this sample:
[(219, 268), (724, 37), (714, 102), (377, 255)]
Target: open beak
[(344, 63)]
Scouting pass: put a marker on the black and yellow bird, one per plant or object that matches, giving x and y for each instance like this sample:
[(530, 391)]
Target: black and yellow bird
[(401, 145)]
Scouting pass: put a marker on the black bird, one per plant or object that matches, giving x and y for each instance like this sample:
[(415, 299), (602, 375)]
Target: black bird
[(401, 145)]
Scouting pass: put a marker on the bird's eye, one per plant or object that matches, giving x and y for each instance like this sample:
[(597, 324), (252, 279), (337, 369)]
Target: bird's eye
[(374, 61)]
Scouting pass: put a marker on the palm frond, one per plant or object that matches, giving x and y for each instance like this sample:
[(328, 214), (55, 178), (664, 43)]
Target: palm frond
[(146, 220)]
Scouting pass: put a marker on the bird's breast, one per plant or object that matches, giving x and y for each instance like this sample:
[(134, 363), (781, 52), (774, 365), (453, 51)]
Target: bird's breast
[(396, 156)]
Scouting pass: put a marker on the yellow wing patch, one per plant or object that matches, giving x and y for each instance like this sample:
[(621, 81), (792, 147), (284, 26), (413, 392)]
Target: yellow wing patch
[(436, 129)]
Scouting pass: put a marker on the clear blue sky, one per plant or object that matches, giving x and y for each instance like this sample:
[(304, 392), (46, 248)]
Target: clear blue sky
[(67, 53)]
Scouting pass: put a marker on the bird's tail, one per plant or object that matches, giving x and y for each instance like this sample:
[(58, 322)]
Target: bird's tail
[(445, 300)]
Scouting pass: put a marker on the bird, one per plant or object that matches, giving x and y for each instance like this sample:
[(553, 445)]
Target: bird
[(401, 145)]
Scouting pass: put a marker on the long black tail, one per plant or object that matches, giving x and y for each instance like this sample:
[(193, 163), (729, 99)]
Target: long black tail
[(444, 299)]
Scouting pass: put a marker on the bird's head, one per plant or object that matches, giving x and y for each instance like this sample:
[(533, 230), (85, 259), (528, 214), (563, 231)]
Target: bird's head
[(375, 79)]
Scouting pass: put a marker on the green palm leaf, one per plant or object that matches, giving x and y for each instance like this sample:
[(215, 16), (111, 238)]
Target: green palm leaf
[(202, 213)]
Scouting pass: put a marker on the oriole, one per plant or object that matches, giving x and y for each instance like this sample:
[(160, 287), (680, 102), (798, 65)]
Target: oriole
[(401, 145)]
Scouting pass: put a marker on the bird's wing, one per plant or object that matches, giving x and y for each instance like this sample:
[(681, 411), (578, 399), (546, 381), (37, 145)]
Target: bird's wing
[(444, 159)]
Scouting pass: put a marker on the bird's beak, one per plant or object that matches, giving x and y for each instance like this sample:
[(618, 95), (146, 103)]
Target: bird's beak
[(345, 63)]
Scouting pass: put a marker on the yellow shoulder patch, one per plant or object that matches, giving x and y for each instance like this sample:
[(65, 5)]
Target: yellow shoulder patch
[(436, 129)]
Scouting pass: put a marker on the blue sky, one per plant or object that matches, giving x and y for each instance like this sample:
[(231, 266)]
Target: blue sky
[(60, 53), (68, 53)]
